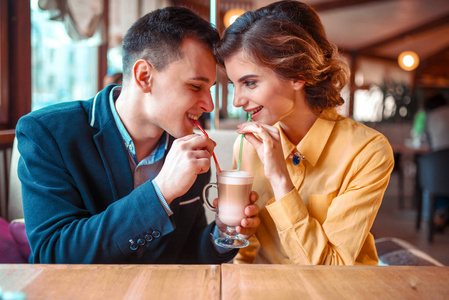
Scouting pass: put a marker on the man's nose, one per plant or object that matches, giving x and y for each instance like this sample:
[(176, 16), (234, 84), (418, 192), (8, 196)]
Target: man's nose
[(207, 104)]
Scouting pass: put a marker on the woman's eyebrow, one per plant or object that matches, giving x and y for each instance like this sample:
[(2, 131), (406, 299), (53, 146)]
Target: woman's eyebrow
[(241, 79)]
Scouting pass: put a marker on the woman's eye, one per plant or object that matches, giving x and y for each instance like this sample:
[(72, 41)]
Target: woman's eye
[(249, 83), (196, 87)]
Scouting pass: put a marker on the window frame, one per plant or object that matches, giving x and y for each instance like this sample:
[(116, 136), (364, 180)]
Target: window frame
[(4, 99)]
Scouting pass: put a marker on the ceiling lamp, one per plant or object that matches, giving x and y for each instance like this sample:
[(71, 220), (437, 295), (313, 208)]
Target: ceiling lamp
[(408, 60), (231, 15)]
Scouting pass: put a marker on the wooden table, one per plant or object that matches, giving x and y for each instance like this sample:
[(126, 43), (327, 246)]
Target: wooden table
[(226, 282), (112, 281), (333, 282)]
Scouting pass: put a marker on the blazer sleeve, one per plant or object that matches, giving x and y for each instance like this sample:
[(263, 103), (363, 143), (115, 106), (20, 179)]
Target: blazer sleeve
[(66, 222)]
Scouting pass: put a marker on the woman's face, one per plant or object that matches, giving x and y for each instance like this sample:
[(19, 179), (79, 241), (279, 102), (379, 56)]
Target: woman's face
[(258, 90)]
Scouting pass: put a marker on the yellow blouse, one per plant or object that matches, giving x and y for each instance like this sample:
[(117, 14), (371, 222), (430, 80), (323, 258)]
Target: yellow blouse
[(327, 219)]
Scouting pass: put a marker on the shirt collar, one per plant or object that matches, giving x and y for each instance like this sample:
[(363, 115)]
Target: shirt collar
[(313, 143), (156, 155)]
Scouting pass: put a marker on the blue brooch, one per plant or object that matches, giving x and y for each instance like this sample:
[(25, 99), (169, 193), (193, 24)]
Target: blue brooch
[(296, 157)]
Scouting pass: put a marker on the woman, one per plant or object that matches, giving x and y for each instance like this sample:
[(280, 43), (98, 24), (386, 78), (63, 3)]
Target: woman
[(320, 176)]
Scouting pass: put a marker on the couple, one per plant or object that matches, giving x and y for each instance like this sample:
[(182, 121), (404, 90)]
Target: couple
[(109, 180)]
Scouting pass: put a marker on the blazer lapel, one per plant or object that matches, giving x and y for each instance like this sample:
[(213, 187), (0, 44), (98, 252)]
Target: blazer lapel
[(109, 143), (115, 160)]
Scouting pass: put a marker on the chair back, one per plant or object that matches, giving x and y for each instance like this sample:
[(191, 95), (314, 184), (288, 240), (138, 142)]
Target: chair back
[(6, 142), (15, 208), (434, 172)]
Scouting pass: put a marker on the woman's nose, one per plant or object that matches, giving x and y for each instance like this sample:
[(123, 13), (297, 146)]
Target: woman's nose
[(238, 99)]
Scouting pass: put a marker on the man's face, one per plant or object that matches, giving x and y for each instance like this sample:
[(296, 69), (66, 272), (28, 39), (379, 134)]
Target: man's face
[(181, 92)]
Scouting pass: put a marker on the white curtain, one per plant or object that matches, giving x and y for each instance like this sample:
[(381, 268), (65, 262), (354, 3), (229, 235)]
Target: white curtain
[(82, 18)]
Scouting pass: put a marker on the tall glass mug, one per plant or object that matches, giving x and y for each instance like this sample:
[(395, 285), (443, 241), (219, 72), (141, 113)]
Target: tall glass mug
[(234, 188)]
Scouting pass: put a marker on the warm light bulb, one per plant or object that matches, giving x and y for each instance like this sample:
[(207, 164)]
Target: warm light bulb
[(408, 60), (233, 18), (232, 15)]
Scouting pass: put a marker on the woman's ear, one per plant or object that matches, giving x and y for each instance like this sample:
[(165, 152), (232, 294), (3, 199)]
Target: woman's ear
[(297, 84), (142, 73)]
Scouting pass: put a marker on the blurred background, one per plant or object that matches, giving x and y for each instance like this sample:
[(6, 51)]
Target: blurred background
[(53, 51)]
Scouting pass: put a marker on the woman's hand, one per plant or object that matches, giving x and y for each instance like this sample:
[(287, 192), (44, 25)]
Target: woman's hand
[(248, 226), (270, 152)]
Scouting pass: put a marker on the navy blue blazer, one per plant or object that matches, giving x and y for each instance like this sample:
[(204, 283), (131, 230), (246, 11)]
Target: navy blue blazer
[(78, 198)]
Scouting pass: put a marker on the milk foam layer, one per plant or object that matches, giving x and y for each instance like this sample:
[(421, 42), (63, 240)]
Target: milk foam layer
[(235, 177)]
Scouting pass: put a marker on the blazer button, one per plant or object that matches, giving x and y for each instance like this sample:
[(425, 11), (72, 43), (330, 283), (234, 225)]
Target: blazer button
[(140, 242), (133, 246), (148, 237), (156, 234)]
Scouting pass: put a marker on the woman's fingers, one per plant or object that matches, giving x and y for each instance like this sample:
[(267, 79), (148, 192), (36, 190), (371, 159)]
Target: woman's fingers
[(266, 132)]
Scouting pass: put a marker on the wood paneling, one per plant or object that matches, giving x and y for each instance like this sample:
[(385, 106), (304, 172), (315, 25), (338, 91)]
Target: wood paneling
[(4, 115), (16, 92)]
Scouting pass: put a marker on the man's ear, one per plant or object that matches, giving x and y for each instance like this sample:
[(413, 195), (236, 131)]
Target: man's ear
[(297, 84), (142, 73)]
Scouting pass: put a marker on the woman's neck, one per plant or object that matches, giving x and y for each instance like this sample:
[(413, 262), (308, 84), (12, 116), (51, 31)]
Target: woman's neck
[(297, 123), (296, 127)]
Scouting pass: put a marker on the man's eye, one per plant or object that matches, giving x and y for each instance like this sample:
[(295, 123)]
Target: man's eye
[(196, 87)]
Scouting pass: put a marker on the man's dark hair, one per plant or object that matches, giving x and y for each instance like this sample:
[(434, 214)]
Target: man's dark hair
[(158, 35)]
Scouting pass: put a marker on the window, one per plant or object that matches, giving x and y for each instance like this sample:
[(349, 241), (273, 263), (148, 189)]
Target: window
[(62, 69), (390, 103)]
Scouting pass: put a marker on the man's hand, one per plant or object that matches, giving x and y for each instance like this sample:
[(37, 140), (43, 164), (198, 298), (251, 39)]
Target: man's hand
[(188, 157)]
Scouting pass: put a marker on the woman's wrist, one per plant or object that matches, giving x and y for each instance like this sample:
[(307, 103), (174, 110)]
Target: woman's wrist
[(281, 187)]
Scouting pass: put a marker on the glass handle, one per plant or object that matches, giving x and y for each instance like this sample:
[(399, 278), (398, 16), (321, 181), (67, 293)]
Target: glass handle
[(206, 201)]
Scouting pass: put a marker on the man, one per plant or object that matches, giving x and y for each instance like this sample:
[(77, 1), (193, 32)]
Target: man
[(118, 178)]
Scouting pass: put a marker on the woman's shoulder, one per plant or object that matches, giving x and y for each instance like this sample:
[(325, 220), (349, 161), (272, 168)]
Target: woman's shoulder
[(358, 129), (359, 136)]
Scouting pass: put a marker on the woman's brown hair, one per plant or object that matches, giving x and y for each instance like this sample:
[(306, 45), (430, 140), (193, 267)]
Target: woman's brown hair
[(288, 37)]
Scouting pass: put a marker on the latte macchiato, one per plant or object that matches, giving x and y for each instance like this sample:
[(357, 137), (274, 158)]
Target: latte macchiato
[(234, 188)]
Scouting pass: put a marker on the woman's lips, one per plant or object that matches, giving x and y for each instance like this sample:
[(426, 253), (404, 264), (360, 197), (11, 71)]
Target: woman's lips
[(255, 111)]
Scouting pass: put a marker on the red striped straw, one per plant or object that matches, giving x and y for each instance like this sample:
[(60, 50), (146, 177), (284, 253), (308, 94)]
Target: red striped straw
[(217, 166)]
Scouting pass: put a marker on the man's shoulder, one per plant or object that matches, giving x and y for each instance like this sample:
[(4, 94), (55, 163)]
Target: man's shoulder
[(58, 117), (57, 110)]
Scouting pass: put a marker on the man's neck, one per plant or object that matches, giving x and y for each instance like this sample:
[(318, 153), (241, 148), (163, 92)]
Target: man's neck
[(145, 137)]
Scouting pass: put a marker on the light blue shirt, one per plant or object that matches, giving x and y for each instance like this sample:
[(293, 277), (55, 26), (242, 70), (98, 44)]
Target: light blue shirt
[(150, 166)]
